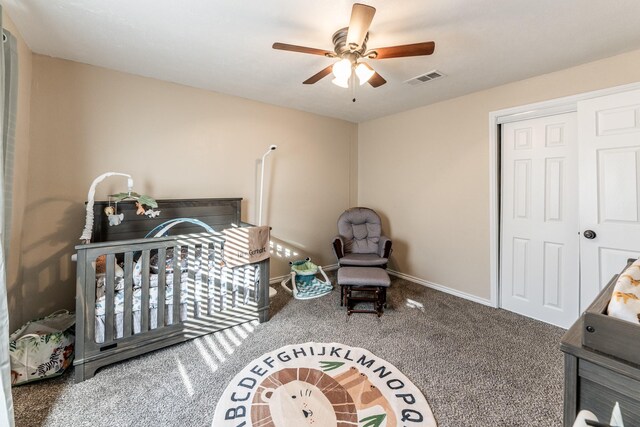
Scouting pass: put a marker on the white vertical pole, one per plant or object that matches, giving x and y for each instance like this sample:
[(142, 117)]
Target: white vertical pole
[(272, 291), (271, 148)]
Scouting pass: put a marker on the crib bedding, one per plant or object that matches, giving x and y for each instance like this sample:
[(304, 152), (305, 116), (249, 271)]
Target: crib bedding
[(240, 284), (137, 296), (118, 287)]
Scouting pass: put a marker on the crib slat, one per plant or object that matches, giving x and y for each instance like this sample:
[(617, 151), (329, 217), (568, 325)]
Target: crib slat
[(177, 273), (215, 278), (192, 289), (198, 283), (162, 286), (85, 310), (256, 282), (144, 290), (235, 285), (90, 301), (109, 309), (224, 279), (246, 285), (201, 274), (127, 312)]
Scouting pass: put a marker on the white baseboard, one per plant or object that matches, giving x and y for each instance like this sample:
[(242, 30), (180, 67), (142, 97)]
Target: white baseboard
[(442, 288), (425, 283)]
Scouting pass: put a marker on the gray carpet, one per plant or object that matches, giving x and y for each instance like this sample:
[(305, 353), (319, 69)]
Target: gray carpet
[(477, 366)]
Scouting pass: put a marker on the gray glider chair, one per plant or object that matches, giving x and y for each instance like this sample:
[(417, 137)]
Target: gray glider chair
[(360, 242)]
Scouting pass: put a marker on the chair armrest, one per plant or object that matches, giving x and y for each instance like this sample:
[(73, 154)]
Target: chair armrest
[(384, 247), (338, 246)]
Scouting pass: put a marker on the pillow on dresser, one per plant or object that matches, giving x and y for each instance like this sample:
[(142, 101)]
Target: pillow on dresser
[(625, 300)]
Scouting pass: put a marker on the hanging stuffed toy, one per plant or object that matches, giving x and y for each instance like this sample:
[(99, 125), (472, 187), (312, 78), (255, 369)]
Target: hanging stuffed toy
[(139, 209), (114, 219), (151, 213)]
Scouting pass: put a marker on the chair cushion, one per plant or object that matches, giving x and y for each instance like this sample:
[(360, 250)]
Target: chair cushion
[(363, 276), (361, 228), (363, 260)]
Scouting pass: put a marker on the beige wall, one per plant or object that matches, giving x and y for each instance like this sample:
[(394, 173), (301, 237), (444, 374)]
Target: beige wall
[(434, 195), (430, 185), (20, 179), (177, 142)]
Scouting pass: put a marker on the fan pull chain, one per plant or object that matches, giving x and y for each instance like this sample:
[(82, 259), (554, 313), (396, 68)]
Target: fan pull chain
[(353, 86)]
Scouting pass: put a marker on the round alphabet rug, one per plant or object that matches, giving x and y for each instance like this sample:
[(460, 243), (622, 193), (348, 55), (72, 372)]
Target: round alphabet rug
[(321, 385)]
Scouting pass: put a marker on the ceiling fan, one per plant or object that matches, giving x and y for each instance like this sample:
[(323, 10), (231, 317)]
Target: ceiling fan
[(350, 45)]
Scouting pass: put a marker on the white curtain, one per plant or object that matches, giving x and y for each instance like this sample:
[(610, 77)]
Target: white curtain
[(6, 409)]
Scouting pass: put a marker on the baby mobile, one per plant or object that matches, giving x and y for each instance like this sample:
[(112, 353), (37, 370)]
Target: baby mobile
[(145, 205), (141, 201)]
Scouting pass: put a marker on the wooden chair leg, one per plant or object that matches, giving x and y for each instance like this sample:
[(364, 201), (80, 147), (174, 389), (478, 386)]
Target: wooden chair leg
[(382, 298)]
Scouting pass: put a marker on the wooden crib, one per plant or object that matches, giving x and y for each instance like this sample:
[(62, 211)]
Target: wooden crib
[(170, 289)]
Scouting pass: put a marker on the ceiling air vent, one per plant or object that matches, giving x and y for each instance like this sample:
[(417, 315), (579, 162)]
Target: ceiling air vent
[(423, 78)]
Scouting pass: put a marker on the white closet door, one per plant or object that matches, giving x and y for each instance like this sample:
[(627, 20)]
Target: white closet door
[(539, 218), (609, 187)]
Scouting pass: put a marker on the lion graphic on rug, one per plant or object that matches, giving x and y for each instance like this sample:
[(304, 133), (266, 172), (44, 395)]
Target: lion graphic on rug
[(296, 397)]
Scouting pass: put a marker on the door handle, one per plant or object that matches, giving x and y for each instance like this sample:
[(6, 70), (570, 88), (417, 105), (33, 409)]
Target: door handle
[(589, 234)]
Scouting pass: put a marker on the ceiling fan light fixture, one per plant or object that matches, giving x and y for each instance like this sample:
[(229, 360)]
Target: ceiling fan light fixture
[(342, 69), (364, 73), (341, 82), (350, 45)]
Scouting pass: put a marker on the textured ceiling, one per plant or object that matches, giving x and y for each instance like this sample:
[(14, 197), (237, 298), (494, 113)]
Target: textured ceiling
[(225, 45)]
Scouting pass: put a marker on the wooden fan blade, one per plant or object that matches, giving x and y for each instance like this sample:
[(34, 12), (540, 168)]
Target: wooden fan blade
[(416, 49), (377, 80), (325, 72), (361, 17), (303, 49)]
